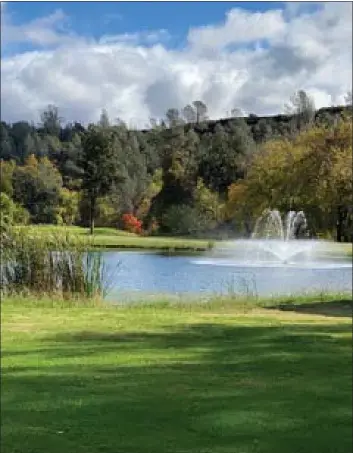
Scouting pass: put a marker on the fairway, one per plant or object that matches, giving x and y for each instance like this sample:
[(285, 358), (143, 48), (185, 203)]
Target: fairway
[(111, 238), (217, 378)]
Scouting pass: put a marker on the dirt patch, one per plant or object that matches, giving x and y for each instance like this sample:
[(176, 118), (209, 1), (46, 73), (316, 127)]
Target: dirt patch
[(339, 308)]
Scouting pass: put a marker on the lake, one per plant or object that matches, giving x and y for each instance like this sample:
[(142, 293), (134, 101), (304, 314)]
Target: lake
[(132, 273)]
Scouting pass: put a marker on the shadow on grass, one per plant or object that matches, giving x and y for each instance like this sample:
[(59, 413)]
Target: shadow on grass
[(192, 389), (337, 308)]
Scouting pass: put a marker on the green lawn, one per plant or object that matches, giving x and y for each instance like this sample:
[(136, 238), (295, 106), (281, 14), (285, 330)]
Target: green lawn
[(215, 378), (112, 238)]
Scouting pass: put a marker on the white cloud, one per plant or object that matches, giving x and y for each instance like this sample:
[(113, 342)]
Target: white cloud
[(135, 76), (44, 31), (138, 38), (239, 27)]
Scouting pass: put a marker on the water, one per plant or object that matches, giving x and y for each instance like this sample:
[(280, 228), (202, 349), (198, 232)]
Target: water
[(273, 262), (137, 274), (271, 226)]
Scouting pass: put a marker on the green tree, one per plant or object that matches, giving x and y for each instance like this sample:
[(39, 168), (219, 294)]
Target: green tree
[(11, 213), (189, 113), (183, 219), (19, 132), (224, 156), (7, 146), (51, 121), (348, 98), (69, 206), (37, 186), (208, 203), (173, 117), (200, 111), (180, 160), (7, 207), (100, 169), (104, 119), (302, 107), (7, 169)]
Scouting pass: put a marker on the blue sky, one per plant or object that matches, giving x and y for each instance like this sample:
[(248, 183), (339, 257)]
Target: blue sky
[(98, 18), (95, 19), (137, 59)]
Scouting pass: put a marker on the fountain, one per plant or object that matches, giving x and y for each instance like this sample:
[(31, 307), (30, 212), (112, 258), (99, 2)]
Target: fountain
[(276, 242), (279, 240)]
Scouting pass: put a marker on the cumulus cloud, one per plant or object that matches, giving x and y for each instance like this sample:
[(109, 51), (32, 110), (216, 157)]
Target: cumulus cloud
[(239, 27), (253, 61)]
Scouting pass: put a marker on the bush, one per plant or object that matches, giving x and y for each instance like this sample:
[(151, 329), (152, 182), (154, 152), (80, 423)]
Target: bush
[(68, 210), (153, 227), (132, 224), (6, 208), (12, 213), (20, 215), (185, 219)]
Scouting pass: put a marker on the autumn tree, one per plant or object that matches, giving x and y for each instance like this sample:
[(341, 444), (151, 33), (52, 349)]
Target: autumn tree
[(312, 172)]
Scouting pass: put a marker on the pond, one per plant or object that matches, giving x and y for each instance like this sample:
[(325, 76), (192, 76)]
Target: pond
[(132, 273)]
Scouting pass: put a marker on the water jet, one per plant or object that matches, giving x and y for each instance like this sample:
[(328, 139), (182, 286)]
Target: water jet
[(277, 242)]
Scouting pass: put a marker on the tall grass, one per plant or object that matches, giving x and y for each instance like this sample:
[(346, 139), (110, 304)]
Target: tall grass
[(60, 265)]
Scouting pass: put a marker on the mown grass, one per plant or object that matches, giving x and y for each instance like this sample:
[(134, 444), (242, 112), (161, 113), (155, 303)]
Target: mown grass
[(111, 238), (225, 377), (100, 231)]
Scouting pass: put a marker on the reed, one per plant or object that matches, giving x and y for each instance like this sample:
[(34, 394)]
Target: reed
[(61, 265)]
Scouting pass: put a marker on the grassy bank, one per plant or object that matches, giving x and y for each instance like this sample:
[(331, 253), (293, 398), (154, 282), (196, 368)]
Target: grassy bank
[(221, 377), (111, 238)]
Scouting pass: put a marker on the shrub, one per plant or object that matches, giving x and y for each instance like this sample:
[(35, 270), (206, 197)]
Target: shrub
[(7, 207), (12, 213), (153, 227), (20, 215), (132, 224), (185, 219), (68, 207)]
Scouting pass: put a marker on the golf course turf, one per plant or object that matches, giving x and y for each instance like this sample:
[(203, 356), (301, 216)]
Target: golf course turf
[(111, 238), (218, 377)]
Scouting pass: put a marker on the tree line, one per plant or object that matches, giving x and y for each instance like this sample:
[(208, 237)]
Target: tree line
[(185, 174)]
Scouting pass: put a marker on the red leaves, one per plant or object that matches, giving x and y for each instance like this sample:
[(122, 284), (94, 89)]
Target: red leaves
[(132, 224)]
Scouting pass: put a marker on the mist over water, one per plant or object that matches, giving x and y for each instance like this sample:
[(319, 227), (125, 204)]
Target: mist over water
[(274, 243)]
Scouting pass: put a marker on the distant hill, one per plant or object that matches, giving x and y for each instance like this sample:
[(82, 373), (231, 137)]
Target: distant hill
[(275, 122)]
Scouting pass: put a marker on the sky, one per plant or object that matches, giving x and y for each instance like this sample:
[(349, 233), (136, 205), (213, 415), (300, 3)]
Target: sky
[(137, 59)]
